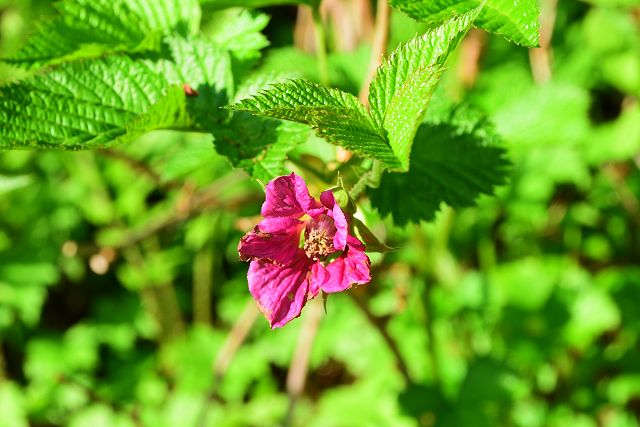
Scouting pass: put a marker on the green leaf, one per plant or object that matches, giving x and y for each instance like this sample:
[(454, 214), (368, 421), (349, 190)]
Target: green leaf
[(259, 145), (402, 87), (516, 20), (99, 103), (453, 161), (239, 31), (91, 28), (336, 116)]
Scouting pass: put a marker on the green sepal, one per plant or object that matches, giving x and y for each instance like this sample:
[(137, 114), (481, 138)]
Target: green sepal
[(372, 243)]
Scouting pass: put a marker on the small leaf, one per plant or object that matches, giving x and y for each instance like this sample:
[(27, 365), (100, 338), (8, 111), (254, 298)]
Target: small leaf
[(402, 87), (517, 20)]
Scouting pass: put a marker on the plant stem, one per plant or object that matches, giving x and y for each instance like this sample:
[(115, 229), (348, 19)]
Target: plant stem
[(380, 37), (321, 45), (369, 178), (540, 58), (203, 269), (234, 340), (3, 367), (297, 376), (380, 325)]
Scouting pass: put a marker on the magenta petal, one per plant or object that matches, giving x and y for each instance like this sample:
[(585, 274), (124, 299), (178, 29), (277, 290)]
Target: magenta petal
[(275, 239), (350, 267), (340, 238), (319, 275), (288, 196), (281, 291)]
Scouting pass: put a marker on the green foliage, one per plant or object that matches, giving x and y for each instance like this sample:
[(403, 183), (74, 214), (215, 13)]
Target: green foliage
[(335, 115), (121, 292), (453, 161), (399, 95), (402, 87), (515, 20), (100, 103), (90, 28)]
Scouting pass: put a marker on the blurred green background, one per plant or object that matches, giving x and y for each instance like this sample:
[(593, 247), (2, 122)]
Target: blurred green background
[(121, 291)]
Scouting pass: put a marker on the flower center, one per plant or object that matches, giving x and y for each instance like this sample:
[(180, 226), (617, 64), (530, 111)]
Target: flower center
[(318, 242)]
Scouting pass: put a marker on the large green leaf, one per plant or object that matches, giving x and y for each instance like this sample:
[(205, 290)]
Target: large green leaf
[(453, 161), (90, 28), (98, 103), (517, 20), (401, 89), (336, 116)]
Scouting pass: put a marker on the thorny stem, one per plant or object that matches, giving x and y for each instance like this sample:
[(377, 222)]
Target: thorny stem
[(380, 37), (297, 375), (380, 325), (321, 45)]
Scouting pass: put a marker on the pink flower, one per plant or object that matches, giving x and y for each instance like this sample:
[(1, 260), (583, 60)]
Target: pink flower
[(286, 271)]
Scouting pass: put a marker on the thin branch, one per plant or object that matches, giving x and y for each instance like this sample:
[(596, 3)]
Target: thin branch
[(380, 37), (381, 325), (140, 167), (297, 375), (234, 340), (204, 263), (625, 194), (540, 58), (201, 201), (470, 54)]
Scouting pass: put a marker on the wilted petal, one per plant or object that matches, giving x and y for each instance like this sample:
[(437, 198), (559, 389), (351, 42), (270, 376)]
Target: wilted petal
[(350, 267), (340, 238), (288, 196), (275, 239), (281, 291)]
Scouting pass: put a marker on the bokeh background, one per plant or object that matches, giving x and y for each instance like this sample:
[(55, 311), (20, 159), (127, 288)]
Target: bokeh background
[(123, 302)]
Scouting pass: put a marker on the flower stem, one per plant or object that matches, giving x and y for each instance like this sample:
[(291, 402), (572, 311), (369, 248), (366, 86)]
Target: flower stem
[(321, 45)]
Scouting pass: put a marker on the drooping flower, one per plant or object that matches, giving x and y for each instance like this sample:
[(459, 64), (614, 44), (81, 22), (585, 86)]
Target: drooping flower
[(301, 247)]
